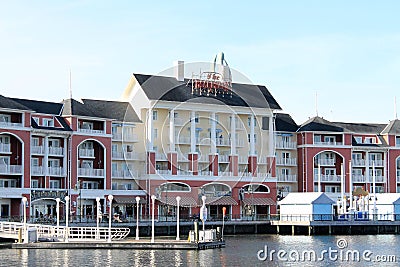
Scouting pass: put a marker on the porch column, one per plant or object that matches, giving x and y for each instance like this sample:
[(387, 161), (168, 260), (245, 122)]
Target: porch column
[(193, 156), (172, 155), (233, 157), (213, 157), (151, 155), (252, 163)]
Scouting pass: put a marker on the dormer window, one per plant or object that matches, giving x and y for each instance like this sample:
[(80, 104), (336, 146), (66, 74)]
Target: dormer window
[(358, 139), (369, 140), (87, 125), (48, 122), (36, 119), (5, 118), (397, 140)]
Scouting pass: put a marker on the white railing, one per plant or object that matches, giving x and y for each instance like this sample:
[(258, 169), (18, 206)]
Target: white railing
[(58, 151), (84, 152), (243, 160), (285, 145), (378, 179), (184, 172), (223, 142), (161, 157), (326, 162), (358, 178), (376, 163), (262, 160), (91, 172), (328, 143), (125, 137), (163, 172), (10, 124), (37, 170), (90, 131), (56, 171), (10, 169), (327, 178), (287, 178), (126, 155), (183, 140), (225, 174), (37, 150), (286, 161), (258, 175), (223, 158), (358, 162), (205, 173), (124, 174)]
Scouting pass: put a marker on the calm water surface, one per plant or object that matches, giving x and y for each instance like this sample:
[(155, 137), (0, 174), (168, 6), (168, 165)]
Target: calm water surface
[(239, 251)]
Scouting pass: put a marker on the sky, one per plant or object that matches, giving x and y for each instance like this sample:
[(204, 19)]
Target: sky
[(338, 59)]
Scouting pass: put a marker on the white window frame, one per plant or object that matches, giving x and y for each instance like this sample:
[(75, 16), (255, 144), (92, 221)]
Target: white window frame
[(154, 115)]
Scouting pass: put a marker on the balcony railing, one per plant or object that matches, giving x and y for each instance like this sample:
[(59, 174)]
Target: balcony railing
[(5, 148), (369, 179), (291, 178), (10, 124), (161, 157), (378, 179), (223, 142), (285, 145), (358, 162), (56, 171), (57, 151), (376, 163), (125, 137), (126, 174), (326, 162), (125, 155), (37, 170), (89, 172), (328, 143), (37, 150), (358, 178), (286, 161), (90, 131), (163, 172), (262, 160), (225, 174), (328, 178), (10, 169), (223, 158), (84, 152), (183, 140), (258, 175)]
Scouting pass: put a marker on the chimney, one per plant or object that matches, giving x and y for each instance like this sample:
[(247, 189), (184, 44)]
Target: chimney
[(179, 70)]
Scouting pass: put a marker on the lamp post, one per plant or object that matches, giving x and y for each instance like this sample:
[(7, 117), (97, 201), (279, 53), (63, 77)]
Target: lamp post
[(137, 217), (203, 215), (178, 198), (66, 218), (98, 217), (110, 199), (58, 213), (153, 198), (24, 201)]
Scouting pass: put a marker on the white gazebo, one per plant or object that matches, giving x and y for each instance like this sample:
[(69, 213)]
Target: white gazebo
[(308, 206), (387, 207)]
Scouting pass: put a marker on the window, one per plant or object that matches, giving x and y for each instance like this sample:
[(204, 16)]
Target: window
[(155, 133), (317, 139), (54, 143), (285, 172), (4, 160), (86, 164), (249, 121), (48, 122), (34, 162), (332, 189), (397, 140), (329, 171), (285, 155), (36, 119), (34, 184), (358, 139), (4, 139), (87, 125), (375, 156), (5, 118), (35, 141), (196, 118), (114, 129), (55, 163), (114, 147), (87, 145), (54, 184), (356, 156), (155, 115), (369, 140), (356, 172), (255, 138), (330, 139)]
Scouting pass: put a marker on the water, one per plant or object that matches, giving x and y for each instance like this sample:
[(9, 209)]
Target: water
[(239, 251)]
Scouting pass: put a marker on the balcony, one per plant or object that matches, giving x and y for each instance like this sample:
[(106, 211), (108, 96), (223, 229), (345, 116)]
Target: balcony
[(286, 161), (124, 174), (328, 178), (376, 163), (86, 153), (37, 170), (90, 131), (328, 143), (378, 179), (225, 174), (56, 151), (223, 142), (358, 178), (358, 162), (125, 137), (285, 145), (10, 169), (183, 140), (163, 172), (125, 155), (56, 171), (5, 148), (258, 175), (369, 179), (161, 157), (10, 124), (326, 162), (89, 172), (37, 150), (290, 178), (223, 158)]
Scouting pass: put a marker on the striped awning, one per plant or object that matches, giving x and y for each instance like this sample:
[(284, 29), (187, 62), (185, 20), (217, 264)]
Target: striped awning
[(184, 202), (128, 200), (258, 201), (221, 201)]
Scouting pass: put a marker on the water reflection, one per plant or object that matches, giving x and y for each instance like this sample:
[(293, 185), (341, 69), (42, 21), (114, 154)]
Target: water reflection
[(240, 251)]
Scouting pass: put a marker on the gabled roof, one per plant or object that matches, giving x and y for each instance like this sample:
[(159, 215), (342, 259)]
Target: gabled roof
[(119, 111), (40, 106), (75, 108), (318, 124), (6, 102), (364, 128), (387, 199), (170, 89), (285, 123), (65, 126), (392, 128), (306, 198)]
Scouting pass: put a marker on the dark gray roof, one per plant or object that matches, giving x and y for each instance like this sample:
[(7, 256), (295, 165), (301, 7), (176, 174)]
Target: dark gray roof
[(40, 106), (120, 111), (6, 102), (74, 108), (366, 128), (64, 124), (170, 89), (318, 124), (285, 123), (392, 128)]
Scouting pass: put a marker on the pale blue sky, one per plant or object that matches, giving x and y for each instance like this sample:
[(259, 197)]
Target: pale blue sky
[(347, 51)]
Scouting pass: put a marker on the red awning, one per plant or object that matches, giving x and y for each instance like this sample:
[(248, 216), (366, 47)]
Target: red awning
[(220, 201), (258, 201)]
